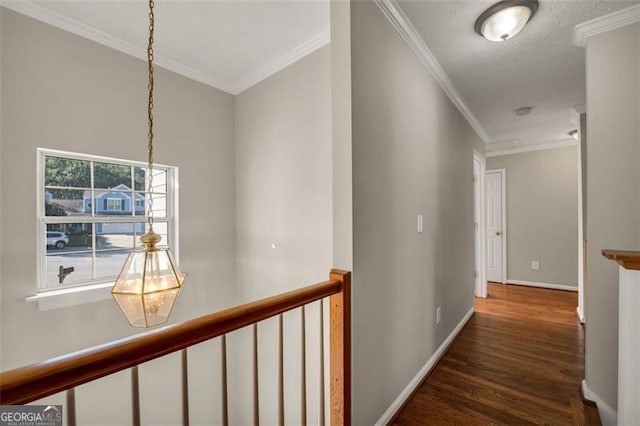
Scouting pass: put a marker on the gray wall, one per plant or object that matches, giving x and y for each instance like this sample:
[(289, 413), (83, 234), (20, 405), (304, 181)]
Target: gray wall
[(64, 92), (284, 219), (542, 215), (342, 152), (283, 183), (412, 153), (613, 191)]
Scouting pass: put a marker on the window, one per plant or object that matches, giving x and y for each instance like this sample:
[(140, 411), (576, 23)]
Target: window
[(92, 214), (114, 204)]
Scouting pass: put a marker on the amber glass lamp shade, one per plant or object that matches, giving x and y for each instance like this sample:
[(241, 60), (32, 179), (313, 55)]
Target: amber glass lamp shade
[(148, 285)]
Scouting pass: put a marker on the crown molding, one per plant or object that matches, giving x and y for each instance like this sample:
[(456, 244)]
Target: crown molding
[(40, 13), (65, 23), (605, 23), (299, 51), (531, 148), (407, 31)]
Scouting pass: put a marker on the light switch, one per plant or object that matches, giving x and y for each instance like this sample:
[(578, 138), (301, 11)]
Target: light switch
[(420, 224)]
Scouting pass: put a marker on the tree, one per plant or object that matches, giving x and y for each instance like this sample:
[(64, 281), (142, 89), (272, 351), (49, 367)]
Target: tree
[(53, 209), (66, 172)]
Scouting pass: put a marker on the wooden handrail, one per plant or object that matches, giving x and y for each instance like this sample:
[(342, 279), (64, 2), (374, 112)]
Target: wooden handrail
[(628, 259), (35, 381)]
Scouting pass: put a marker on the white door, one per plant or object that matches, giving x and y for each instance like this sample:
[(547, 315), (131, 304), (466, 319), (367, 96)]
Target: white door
[(495, 232)]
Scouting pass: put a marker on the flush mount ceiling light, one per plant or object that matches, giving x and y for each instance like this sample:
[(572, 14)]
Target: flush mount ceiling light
[(505, 19), (150, 280)]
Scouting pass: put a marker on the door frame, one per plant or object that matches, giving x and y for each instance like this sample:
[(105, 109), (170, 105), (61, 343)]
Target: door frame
[(581, 309), (480, 281), (505, 233)]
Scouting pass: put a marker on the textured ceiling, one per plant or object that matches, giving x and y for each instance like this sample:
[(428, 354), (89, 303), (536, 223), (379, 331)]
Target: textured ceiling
[(230, 42), (539, 67)]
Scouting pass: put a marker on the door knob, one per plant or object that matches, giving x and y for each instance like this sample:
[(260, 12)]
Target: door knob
[(498, 233)]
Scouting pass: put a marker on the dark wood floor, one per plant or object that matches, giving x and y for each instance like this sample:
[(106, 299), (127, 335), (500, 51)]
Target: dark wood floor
[(518, 361)]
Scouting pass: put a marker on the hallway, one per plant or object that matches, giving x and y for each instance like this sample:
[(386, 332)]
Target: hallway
[(519, 360)]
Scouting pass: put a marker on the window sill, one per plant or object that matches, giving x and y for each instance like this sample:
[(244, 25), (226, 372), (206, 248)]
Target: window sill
[(63, 298)]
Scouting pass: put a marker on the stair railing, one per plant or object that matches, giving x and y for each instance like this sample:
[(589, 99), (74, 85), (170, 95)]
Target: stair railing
[(64, 373)]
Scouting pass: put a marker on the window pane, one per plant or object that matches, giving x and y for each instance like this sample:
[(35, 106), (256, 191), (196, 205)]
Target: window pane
[(114, 236), (114, 241), (159, 204), (68, 246), (159, 181), (113, 203), (112, 176), (68, 237), (140, 178), (69, 268), (67, 202), (67, 172), (109, 263), (140, 204), (160, 228)]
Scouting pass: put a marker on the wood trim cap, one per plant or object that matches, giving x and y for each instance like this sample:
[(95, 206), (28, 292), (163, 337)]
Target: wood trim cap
[(628, 259)]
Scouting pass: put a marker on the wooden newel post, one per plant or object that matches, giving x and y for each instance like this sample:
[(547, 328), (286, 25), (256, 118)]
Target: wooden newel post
[(340, 350)]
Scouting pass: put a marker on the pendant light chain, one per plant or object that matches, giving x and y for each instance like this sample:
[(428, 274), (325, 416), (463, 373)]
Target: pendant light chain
[(150, 114), (149, 283)]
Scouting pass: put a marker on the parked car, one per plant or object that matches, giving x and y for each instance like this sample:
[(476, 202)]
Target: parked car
[(57, 239)]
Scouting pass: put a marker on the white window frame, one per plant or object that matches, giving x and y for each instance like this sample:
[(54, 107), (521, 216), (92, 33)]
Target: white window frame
[(110, 208), (51, 297)]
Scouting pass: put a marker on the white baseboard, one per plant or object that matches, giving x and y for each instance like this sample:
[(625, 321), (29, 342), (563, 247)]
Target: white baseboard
[(415, 382), (544, 285), (580, 314), (608, 415)]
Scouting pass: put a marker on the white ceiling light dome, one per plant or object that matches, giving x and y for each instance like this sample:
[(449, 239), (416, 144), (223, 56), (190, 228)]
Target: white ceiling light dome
[(505, 19)]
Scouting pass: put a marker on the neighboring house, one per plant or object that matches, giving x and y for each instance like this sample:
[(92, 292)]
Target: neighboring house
[(117, 201)]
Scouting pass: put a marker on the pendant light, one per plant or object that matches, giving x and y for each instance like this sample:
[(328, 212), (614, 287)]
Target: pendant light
[(505, 19), (150, 281)]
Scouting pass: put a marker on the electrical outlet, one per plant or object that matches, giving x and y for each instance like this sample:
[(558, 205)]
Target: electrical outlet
[(438, 315), (535, 265)]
